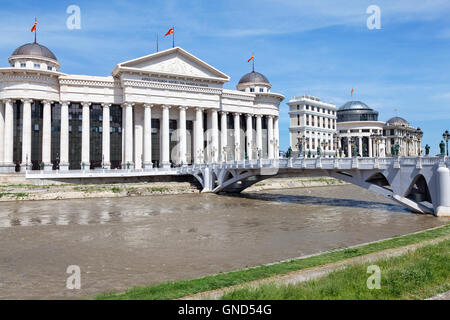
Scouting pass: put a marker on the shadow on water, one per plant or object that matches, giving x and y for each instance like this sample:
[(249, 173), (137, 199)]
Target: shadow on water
[(323, 201)]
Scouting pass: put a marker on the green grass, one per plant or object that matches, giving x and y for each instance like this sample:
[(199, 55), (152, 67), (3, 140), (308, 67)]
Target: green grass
[(116, 189), (415, 275), (178, 289), (159, 189)]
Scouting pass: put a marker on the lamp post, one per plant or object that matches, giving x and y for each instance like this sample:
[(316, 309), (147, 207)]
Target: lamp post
[(324, 147), (408, 142), (300, 143), (377, 138), (419, 139), (336, 145), (446, 135)]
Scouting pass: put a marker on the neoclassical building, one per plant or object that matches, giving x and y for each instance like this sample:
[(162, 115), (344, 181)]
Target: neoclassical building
[(165, 109), (358, 129), (312, 125)]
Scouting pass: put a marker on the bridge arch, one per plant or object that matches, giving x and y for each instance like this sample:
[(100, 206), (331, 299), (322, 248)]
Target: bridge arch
[(418, 191)]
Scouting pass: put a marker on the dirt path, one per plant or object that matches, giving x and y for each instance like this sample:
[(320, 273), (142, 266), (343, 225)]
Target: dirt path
[(317, 272)]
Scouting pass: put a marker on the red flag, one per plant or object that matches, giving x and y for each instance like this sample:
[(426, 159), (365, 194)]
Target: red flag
[(33, 29), (169, 32), (352, 92), (252, 58)]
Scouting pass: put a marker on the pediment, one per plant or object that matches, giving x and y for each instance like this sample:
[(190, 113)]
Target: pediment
[(177, 62)]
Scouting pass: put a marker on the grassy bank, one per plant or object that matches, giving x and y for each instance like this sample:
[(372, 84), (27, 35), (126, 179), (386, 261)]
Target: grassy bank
[(178, 289), (416, 275)]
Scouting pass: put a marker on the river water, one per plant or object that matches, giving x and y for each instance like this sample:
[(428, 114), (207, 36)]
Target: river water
[(122, 242)]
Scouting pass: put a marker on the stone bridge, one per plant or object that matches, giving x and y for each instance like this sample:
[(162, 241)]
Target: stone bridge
[(421, 184)]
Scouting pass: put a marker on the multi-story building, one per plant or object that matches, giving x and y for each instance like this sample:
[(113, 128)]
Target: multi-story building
[(312, 127), (163, 109), (360, 132)]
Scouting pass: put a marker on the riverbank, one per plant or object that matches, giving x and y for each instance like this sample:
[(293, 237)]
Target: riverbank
[(33, 192), (207, 285), (417, 273)]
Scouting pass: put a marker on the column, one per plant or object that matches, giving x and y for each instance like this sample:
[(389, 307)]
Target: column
[(138, 152), (360, 149), (224, 136), (106, 136), (47, 136), (128, 137), (85, 137), (237, 136), (64, 140), (148, 136), (349, 146), (9, 135), (165, 138), (276, 135), (249, 135), (270, 137), (214, 136), (198, 136), (182, 135), (370, 147), (2, 132), (26, 134), (259, 145)]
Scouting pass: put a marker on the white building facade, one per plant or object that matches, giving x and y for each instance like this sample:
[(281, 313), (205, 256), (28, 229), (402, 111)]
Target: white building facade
[(312, 127), (164, 109)]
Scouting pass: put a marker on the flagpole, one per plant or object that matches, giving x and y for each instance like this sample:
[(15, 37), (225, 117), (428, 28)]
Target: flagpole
[(35, 29), (157, 46), (173, 38)]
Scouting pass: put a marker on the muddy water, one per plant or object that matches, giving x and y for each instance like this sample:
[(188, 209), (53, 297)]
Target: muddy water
[(119, 243)]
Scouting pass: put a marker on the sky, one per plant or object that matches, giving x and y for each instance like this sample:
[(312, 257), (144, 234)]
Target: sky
[(321, 48)]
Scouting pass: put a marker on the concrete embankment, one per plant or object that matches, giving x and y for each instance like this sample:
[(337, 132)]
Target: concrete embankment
[(16, 187)]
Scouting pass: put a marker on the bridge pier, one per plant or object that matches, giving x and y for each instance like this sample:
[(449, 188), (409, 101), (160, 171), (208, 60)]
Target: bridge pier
[(443, 206)]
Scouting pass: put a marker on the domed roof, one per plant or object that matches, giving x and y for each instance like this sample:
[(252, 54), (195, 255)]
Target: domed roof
[(397, 121), (354, 105), (34, 49), (254, 77)]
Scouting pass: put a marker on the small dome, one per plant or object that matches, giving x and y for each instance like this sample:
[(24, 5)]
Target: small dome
[(35, 50), (355, 105), (254, 77), (395, 121)]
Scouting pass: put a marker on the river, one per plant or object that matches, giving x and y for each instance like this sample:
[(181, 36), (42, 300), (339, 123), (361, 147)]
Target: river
[(122, 242)]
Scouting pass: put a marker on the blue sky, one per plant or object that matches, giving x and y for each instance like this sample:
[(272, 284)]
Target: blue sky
[(322, 48)]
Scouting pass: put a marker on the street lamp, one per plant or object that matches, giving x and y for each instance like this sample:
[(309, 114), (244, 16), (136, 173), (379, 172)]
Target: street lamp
[(446, 135), (324, 147), (336, 145), (419, 139), (300, 143), (377, 138)]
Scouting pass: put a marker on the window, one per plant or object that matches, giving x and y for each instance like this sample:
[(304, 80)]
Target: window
[(252, 89), (36, 127), (23, 64), (49, 68), (261, 89), (37, 65)]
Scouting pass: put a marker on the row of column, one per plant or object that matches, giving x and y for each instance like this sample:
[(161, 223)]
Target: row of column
[(213, 152)]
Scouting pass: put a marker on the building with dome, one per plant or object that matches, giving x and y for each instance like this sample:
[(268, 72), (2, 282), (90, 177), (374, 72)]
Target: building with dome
[(357, 125), (358, 128), (164, 109)]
